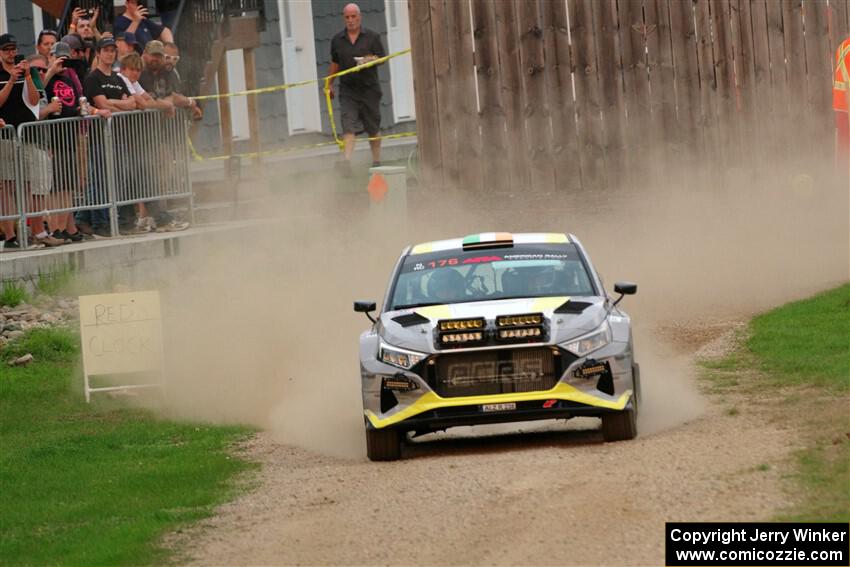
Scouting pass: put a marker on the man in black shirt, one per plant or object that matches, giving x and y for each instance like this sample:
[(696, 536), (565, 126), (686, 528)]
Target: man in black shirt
[(15, 111), (105, 90), (360, 92)]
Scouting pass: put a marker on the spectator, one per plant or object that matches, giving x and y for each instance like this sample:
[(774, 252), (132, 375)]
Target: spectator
[(106, 91), (135, 19), (126, 44), (131, 69), (359, 93), (45, 41), (65, 86), (172, 57), (84, 23), (77, 61), (18, 98), (167, 10), (161, 83)]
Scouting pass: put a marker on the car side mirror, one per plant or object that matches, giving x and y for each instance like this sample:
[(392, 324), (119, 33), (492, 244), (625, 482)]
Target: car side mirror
[(624, 289), (365, 307)]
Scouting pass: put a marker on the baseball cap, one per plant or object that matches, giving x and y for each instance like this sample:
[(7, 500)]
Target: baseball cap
[(73, 41), (105, 42), (155, 47), (7, 39), (60, 49), (128, 37)]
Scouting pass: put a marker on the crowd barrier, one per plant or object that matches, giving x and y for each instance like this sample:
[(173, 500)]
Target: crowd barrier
[(89, 163)]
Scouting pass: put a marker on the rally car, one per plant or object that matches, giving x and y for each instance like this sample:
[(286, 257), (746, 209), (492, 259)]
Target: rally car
[(495, 328)]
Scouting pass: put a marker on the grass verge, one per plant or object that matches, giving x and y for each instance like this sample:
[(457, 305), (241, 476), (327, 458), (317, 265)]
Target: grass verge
[(96, 484), (802, 351)]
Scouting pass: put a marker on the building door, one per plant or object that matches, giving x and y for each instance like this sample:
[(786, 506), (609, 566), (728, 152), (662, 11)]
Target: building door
[(299, 64), (401, 68)]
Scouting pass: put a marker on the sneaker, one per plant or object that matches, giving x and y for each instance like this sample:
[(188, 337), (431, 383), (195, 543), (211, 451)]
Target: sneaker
[(173, 226), (85, 228), (60, 235), (101, 232), (48, 241), (11, 244), (130, 230), (76, 237), (145, 224)]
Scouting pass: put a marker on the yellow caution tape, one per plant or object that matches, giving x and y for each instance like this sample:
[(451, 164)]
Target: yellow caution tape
[(284, 87), (327, 81)]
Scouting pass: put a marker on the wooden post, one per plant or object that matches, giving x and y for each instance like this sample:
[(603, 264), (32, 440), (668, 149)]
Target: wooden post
[(725, 77), (446, 102), (610, 85), (705, 60), (253, 114), (761, 93), (587, 94), (224, 114), (428, 135), (792, 25), (819, 69), (683, 38)]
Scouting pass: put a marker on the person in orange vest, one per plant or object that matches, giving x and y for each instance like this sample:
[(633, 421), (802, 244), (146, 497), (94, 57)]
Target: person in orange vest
[(840, 97)]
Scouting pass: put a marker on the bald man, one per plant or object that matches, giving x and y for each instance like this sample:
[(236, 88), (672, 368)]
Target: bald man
[(359, 92)]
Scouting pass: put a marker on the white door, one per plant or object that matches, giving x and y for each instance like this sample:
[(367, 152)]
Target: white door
[(401, 68), (238, 104), (299, 64)]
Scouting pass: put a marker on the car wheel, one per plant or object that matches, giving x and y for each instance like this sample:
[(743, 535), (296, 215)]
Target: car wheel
[(383, 444), (619, 426), (636, 385)]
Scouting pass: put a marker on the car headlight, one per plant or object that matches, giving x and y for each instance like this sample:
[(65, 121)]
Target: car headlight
[(589, 343), (399, 357)]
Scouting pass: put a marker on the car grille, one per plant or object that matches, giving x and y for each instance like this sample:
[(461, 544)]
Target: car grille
[(490, 372)]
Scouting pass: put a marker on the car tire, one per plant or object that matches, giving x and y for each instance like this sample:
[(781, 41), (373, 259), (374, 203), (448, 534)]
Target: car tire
[(638, 397), (383, 444), (620, 425)]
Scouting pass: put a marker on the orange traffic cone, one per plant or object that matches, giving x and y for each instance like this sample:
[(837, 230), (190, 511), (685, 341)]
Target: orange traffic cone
[(377, 188)]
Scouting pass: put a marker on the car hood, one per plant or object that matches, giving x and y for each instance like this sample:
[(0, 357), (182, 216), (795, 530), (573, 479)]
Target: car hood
[(414, 328)]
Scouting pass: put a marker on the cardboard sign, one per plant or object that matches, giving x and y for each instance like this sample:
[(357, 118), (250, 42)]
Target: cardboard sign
[(121, 333)]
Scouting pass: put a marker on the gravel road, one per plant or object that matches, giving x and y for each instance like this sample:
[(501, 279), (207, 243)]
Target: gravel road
[(546, 495)]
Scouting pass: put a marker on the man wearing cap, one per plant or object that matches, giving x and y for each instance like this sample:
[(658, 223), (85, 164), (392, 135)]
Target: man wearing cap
[(14, 110), (77, 60), (106, 91), (135, 20), (162, 83)]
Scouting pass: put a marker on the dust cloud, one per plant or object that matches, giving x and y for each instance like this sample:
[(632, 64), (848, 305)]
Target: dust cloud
[(261, 329)]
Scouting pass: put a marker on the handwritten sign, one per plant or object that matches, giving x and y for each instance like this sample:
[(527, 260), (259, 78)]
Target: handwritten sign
[(121, 332)]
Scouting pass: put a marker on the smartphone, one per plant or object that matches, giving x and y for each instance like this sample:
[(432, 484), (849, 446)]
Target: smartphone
[(18, 58)]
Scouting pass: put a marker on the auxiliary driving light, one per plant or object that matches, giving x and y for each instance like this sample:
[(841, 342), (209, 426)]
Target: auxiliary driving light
[(462, 337), (462, 324), (520, 333), (519, 320)]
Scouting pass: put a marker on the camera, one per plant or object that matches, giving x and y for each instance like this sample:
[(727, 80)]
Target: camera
[(90, 13), (141, 3)]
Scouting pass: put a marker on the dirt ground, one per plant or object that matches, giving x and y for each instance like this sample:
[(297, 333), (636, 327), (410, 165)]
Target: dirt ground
[(706, 253)]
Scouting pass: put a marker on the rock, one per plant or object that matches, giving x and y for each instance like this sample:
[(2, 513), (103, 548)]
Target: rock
[(62, 304), (12, 335), (22, 360), (48, 318), (12, 326)]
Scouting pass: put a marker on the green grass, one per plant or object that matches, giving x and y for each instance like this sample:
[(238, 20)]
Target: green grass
[(56, 282), (13, 294), (96, 484), (806, 341)]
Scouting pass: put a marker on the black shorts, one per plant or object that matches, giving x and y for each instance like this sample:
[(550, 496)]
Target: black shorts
[(360, 113)]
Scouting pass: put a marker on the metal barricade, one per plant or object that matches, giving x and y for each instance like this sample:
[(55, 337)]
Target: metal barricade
[(98, 168), (65, 168), (10, 211), (151, 158)]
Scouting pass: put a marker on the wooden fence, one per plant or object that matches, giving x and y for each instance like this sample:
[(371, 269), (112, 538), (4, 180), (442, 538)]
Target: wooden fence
[(561, 94)]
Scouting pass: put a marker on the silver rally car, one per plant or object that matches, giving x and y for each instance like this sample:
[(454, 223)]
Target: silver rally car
[(495, 328)]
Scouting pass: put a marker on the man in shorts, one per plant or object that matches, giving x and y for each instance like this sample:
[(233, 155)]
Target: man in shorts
[(359, 92)]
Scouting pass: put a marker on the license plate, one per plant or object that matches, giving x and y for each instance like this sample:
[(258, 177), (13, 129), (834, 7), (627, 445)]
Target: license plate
[(499, 407)]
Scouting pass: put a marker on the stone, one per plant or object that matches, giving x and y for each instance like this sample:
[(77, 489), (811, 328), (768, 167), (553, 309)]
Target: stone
[(13, 334), (12, 326), (21, 360), (47, 318)]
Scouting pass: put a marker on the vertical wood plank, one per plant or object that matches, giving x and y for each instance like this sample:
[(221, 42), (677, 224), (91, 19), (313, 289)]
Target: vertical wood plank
[(559, 92), (762, 92), (512, 93), (587, 93), (744, 53), (818, 67), (468, 136), (446, 100), (686, 66), (724, 73), (496, 174), (425, 94), (535, 107), (776, 46), (795, 53), (659, 53), (839, 22), (610, 84), (635, 77), (708, 84)]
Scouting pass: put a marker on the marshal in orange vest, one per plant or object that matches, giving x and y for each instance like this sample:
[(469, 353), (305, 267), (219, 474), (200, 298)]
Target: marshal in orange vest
[(841, 79)]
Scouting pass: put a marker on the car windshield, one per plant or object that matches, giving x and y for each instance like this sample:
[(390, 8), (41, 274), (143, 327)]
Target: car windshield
[(457, 276)]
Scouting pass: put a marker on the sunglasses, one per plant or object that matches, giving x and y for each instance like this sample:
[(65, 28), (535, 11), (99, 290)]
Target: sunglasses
[(39, 69), (174, 58)]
